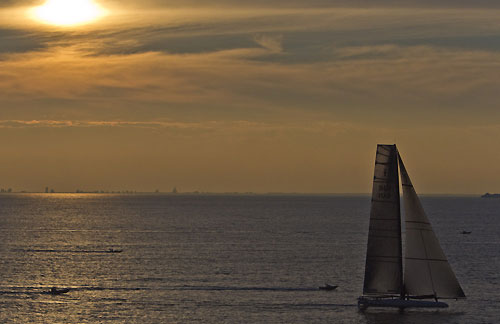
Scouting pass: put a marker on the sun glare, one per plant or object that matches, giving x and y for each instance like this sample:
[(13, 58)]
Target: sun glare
[(68, 12)]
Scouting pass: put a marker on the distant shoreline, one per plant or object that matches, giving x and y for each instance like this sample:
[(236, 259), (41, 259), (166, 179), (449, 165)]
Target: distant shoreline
[(201, 193)]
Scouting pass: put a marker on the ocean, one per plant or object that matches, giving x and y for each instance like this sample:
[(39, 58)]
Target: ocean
[(223, 258)]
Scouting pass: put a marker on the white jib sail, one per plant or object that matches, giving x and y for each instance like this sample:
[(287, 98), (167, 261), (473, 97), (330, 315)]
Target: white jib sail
[(427, 271)]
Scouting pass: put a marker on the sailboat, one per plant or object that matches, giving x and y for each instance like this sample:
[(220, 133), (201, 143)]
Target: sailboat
[(427, 275)]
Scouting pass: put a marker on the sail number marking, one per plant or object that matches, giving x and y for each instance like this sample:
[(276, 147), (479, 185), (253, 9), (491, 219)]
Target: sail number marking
[(384, 191)]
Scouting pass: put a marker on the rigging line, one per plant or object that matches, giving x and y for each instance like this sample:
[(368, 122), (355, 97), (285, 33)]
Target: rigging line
[(400, 243)]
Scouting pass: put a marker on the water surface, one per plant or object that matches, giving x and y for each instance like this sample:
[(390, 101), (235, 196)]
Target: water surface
[(222, 259)]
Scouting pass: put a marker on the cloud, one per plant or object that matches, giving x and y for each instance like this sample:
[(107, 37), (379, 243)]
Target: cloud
[(317, 3), (101, 123), (386, 78), (223, 64), (271, 42), (237, 126), (307, 31)]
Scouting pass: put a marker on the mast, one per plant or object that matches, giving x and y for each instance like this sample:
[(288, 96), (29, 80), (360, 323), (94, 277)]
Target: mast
[(384, 263), (427, 271)]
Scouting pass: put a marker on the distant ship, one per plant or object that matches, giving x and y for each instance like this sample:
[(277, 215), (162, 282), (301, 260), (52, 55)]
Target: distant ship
[(488, 195)]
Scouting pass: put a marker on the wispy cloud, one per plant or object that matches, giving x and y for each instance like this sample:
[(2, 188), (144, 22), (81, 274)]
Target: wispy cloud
[(389, 77), (103, 123), (242, 126), (271, 42)]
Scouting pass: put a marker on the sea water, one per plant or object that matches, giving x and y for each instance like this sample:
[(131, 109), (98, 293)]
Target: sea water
[(222, 258)]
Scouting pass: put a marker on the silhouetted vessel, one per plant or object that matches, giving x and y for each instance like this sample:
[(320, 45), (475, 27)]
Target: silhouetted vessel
[(427, 273), (114, 251), (327, 287), (58, 291), (488, 195)]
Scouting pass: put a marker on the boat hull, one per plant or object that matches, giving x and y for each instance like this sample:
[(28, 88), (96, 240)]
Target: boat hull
[(364, 303), (327, 287), (55, 291)]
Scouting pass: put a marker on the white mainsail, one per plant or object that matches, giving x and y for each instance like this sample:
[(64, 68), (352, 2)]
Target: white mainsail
[(383, 270), (427, 271)]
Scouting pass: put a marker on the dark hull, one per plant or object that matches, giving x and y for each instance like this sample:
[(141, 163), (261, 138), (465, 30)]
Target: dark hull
[(327, 287), (58, 291), (364, 303)]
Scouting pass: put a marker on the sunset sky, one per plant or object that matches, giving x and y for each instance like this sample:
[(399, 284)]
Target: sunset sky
[(270, 96)]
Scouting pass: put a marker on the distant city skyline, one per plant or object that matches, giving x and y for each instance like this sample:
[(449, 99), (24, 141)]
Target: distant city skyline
[(268, 96)]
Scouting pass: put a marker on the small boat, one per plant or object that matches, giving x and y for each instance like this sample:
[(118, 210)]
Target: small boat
[(57, 291), (466, 232), (427, 273), (327, 287), (114, 251), (488, 195)]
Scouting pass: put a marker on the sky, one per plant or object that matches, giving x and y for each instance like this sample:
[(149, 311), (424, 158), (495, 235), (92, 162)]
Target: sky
[(266, 96)]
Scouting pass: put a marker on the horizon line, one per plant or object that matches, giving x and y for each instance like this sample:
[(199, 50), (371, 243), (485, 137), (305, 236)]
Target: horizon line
[(196, 192)]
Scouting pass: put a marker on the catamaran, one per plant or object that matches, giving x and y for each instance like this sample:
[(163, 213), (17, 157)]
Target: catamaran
[(427, 273)]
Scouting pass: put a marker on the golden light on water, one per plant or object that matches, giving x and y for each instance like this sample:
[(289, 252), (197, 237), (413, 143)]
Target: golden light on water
[(68, 12)]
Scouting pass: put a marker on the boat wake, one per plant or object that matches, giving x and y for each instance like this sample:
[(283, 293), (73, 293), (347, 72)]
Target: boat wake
[(66, 251), (43, 289), (226, 288)]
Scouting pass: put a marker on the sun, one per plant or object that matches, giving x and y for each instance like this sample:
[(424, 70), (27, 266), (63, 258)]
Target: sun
[(68, 12)]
